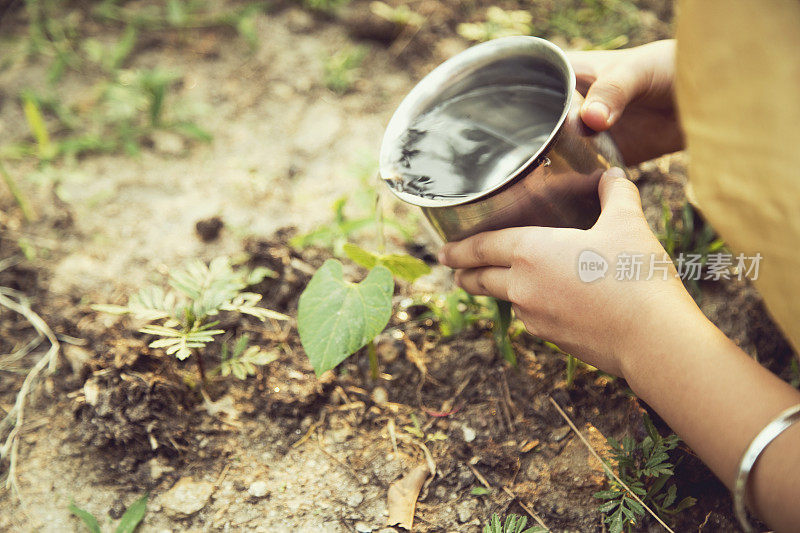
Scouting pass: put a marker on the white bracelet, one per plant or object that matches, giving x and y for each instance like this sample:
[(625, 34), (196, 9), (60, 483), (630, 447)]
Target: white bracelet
[(777, 426)]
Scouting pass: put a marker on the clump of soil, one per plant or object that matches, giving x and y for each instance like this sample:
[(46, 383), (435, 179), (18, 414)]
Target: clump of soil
[(208, 229), (137, 404)]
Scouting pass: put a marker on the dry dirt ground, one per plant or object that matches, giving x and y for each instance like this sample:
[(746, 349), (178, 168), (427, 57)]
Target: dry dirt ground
[(294, 453)]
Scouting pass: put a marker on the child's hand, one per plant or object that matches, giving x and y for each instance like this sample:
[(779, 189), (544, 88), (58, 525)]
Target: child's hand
[(536, 269), (630, 93)]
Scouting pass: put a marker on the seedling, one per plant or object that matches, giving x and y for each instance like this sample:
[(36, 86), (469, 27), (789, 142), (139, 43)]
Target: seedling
[(336, 318), (327, 7), (400, 15), (572, 363), (513, 524), (689, 235), (498, 23), (456, 310), (595, 24), (199, 292), (415, 429), (645, 468), (340, 69), (401, 266), (241, 359), (128, 523)]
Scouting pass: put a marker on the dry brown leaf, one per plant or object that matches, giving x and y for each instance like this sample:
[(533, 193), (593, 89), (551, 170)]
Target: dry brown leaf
[(403, 494)]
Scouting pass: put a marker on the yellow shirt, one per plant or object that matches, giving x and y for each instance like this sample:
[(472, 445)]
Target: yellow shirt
[(738, 92)]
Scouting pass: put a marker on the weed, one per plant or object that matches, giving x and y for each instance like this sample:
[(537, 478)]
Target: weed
[(457, 310), (241, 359), (197, 293), (328, 7), (400, 15), (498, 23), (645, 468), (357, 212), (453, 311), (689, 236), (513, 524), (415, 429), (588, 24), (128, 523), (340, 69)]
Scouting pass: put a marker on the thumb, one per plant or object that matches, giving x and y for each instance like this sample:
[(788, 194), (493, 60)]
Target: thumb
[(607, 97), (619, 197)]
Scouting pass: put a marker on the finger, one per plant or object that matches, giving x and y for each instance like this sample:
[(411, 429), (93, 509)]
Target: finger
[(609, 94), (485, 281), (618, 196), (584, 64), (490, 248)]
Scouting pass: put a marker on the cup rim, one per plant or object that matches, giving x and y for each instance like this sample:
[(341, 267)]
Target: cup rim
[(429, 87)]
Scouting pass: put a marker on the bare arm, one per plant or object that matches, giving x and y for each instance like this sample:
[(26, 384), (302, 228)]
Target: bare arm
[(648, 331)]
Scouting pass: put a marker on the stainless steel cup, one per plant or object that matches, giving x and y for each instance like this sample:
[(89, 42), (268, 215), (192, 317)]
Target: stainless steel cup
[(556, 186)]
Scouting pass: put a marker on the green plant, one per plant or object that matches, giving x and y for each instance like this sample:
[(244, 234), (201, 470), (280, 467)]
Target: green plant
[(588, 24), (457, 310), (197, 293), (336, 318), (498, 23), (241, 359), (646, 469), (400, 15), (324, 6), (513, 524), (415, 429), (128, 523), (402, 266), (340, 69), (686, 237)]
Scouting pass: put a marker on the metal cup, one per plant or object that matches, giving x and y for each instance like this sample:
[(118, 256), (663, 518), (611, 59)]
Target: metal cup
[(555, 187)]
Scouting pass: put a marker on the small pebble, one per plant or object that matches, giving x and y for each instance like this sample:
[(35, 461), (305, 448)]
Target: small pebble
[(469, 433), (559, 434), (355, 499), (380, 396), (258, 489), (361, 527)]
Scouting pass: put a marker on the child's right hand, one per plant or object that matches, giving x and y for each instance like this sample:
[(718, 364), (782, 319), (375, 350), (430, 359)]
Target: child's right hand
[(630, 93)]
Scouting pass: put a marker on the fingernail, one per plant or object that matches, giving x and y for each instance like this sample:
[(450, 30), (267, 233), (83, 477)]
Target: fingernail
[(615, 172), (441, 256), (598, 108)]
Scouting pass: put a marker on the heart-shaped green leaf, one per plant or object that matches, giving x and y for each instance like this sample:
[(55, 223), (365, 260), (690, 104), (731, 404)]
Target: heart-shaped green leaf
[(336, 318), (402, 266)]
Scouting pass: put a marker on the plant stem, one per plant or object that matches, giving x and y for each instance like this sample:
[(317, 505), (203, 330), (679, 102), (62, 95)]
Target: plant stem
[(379, 219), (200, 367), (572, 364), (373, 359)]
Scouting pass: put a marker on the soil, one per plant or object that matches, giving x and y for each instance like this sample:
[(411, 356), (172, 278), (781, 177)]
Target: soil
[(284, 450)]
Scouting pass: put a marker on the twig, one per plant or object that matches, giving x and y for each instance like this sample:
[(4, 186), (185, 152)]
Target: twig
[(15, 416), (526, 508), (508, 491), (605, 466), (480, 477)]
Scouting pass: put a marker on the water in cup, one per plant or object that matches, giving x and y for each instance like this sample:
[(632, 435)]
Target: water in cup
[(474, 141)]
